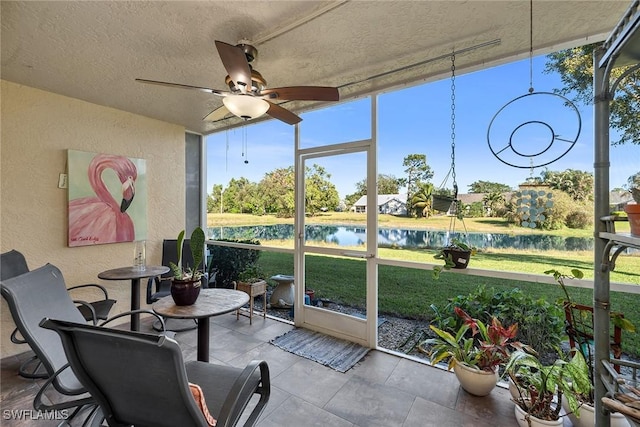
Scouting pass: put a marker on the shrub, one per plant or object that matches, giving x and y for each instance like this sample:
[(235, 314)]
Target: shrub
[(556, 215), (540, 323), (579, 219), (230, 262)]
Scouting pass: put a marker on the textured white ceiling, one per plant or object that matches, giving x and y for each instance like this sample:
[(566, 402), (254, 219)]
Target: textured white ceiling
[(93, 50)]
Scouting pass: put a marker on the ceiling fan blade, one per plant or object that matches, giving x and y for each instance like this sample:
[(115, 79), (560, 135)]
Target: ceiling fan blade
[(277, 112), (181, 86), (217, 114), (302, 93), (236, 64)]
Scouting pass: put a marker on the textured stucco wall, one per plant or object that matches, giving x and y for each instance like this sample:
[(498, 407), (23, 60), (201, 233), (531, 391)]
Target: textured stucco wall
[(37, 129)]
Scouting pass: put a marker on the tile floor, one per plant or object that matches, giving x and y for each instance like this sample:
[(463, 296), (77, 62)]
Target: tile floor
[(381, 390)]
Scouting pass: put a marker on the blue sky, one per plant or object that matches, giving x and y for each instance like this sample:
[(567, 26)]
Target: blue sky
[(417, 119)]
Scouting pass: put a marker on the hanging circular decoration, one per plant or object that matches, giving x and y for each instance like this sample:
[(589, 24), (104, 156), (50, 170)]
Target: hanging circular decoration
[(534, 130)]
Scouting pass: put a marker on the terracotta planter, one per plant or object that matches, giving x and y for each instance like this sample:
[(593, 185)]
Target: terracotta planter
[(528, 421), (185, 292), (474, 381), (633, 213)]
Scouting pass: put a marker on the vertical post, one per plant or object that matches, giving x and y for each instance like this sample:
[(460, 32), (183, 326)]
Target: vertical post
[(601, 303)]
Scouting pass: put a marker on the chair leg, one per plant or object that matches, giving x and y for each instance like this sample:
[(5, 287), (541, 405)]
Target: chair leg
[(37, 372), (250, 310), (264, 305)]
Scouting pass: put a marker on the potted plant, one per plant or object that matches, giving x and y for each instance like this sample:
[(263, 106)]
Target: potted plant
[(579, 327), (250, 275), (633, 208), (187, 280), (540, 387), (474, 359), (455, 255), (250, 281)]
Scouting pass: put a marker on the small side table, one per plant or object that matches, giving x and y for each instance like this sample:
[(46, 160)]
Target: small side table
[(254, 290)]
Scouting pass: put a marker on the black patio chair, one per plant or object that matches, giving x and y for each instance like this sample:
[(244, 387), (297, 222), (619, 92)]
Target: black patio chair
[(31, 297), (13, 263), (140, 379)]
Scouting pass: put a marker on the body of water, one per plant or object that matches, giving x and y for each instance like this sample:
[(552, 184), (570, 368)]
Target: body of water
[(344, 235)]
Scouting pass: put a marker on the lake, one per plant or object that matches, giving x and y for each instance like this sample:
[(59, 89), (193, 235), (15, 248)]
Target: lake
[(346, 235)]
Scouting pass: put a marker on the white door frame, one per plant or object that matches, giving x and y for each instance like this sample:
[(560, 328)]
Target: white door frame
[(362, 331)]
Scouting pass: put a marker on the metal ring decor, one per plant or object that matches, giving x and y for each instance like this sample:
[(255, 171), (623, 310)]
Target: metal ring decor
[(543, 131)]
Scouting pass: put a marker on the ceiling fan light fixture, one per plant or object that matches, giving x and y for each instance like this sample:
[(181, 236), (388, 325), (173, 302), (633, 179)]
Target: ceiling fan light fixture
[(245, 106)]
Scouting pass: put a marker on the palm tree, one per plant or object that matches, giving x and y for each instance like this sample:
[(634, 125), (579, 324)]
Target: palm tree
[(421, 199), (490, 201)]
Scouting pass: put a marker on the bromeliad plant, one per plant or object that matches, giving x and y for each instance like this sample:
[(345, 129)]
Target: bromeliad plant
[(485, 349)]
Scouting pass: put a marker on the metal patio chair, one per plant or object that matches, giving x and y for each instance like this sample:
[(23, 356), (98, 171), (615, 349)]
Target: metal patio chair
[(62, 388), (141, 379)]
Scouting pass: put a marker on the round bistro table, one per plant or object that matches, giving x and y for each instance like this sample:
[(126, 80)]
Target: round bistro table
[(134, 274), (210, 302)]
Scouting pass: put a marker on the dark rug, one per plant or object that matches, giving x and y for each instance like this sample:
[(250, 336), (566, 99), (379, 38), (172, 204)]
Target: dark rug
[(335, 353)]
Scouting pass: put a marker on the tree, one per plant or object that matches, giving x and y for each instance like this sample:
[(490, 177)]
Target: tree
[(488, 187), (240, 196), (421, 200), (277, 191), (575, 67), (491, 201), (417, 171), (320, 193), (213, 199), (578, 184)]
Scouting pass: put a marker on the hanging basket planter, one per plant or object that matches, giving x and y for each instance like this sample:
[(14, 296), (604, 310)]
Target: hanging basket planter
[(441, 203)]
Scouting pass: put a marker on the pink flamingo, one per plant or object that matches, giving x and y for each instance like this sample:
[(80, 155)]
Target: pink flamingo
[(95, 220)]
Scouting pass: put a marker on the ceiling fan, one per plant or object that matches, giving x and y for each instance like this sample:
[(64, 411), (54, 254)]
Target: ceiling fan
[(248, 96)]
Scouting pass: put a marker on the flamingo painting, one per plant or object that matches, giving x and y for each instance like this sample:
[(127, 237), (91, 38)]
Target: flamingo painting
[(100, 218)]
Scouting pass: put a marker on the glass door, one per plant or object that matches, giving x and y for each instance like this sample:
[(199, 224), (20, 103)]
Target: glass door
[(336, 242)]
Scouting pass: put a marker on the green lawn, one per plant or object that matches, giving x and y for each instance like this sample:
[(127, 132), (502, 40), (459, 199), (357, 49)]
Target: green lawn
[(409, 292)]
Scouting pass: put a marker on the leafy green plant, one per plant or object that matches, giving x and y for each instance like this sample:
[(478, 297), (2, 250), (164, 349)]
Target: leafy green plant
[(540, 322), (485, 349), (445, 254), (541, 387), (633, 184), (580, 323), (253, 273), (196, 244)]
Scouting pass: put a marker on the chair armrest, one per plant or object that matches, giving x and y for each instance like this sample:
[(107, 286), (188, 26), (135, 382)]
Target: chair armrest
[(40, 405), (15, 339), (94, 316), (91, 285), (129, 313), (230, 403)]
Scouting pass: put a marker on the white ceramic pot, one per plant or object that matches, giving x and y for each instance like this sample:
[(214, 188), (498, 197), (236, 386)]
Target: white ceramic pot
[(587, 416), (474, 381), (521, 417)]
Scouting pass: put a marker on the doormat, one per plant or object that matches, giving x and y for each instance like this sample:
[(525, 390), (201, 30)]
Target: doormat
[(335, 353)]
